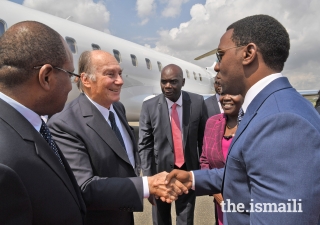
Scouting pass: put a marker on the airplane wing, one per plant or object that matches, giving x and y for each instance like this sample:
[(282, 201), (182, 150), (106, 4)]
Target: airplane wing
[(214, 51)]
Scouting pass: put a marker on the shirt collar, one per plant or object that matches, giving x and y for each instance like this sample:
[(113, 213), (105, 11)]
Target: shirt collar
[(30, 115), (104, 111), (179, 101), (257, 88)]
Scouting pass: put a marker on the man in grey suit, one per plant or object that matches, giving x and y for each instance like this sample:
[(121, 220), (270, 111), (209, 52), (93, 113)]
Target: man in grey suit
[(36, 183), (213, 103), (93, 134), (170, 136)]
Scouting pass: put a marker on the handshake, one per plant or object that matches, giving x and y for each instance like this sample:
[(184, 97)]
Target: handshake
[(168, 186)]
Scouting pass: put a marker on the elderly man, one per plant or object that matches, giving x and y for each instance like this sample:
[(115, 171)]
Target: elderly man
[(272, 171), (36, 183), (213, 102), (170, 136), (93, 134)]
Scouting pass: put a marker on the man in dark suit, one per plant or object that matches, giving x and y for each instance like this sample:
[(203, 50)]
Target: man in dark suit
[(213, 103), (272, 171), (170, 136), (93, 134), (36, 183)]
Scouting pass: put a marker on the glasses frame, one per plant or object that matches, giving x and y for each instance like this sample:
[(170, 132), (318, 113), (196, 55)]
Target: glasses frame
[(219, 57), (71, 74)]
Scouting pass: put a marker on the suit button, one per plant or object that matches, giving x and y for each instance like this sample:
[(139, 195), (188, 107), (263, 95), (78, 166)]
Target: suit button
[(171, 165)]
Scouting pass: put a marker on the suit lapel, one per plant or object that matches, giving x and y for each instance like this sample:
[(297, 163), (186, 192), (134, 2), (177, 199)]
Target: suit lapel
[(95, 120), (186, 112), (164, 119), (27, 132)]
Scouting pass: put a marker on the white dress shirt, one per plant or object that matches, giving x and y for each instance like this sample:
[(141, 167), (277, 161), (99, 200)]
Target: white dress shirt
[(179, 110), (30, 115), (218, 100)]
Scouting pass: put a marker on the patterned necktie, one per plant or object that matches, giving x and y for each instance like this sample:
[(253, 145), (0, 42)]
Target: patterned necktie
[(240, 116), (115, 128), (44, 131), (176, 136)]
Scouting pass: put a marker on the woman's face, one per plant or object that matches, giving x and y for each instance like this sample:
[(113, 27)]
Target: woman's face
[(231, 104)]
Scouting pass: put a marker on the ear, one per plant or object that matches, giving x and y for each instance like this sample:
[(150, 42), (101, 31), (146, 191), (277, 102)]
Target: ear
[(250, 53), (183, 81), (85, 80), (46, 77)]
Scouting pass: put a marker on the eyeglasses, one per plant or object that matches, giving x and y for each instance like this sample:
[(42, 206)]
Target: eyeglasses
[(71, 74), (220, 53)]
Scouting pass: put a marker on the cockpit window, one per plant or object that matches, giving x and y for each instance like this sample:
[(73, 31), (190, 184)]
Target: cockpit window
[(72, 44), (134, 60), (148, 62), (117, 55), (95, 47)]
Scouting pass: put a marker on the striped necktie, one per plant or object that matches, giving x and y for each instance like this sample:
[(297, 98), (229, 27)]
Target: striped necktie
[(240, 116)]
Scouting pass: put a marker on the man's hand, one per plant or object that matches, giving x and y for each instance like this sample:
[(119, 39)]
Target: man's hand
[(184, 177), (167, 192), (218, 198)]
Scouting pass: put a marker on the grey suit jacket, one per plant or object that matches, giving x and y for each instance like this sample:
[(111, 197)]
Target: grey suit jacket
[(34, 187), (99, 162), (212, 105), (155, 137)]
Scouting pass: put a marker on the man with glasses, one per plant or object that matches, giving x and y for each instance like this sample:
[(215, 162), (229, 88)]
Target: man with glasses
[(93, 133), (271, 174), (213, 103), (36, 183)]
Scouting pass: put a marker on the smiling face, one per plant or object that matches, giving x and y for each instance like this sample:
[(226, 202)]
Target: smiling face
[(231, 104), (171, 82), (230, 69), (106, 87)]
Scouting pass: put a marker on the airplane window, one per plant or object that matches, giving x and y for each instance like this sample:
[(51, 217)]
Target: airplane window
[(3, 27), (195, 75), (149, 66), (200, 77), (95, 47), (159, 66), (117, 55), (188, 75), (134, 60), (72, 44)]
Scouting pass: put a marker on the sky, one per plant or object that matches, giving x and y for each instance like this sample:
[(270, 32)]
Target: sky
[(189, 28)]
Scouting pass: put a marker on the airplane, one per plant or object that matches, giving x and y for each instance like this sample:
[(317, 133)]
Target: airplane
[(141, 65)]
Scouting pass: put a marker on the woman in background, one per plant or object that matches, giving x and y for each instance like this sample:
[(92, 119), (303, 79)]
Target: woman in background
[(218, 134)]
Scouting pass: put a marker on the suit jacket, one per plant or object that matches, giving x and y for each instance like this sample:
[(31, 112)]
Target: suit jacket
[(34, 187), (212, 155), (275, 156), (212, 105), (155, 136), (99, 161)]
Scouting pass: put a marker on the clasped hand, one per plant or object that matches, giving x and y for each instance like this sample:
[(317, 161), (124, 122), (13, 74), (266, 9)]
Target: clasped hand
[(168, 187)]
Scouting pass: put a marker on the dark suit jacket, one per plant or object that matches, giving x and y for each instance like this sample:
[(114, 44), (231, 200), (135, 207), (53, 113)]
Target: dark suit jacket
[(99, 162), (34, 186), (275, 156), (155, 136), (212, 106)]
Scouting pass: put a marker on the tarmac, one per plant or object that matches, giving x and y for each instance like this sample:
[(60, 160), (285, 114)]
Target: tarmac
[(204, 208)]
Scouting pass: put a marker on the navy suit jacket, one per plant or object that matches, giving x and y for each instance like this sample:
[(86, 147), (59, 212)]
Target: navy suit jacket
[(274, 158)]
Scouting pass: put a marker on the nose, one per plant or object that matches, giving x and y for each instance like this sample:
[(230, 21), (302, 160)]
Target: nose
[(119, 80), (217, 67)]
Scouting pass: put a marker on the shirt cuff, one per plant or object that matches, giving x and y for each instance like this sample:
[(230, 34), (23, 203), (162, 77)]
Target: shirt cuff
[(193, 182), (146, 192)]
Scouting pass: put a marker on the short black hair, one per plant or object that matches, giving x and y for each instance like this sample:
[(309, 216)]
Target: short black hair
[(268, 34), (26, 45)]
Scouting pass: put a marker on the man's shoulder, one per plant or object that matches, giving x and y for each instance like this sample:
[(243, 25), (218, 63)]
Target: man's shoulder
[(192, 95), (209, 99), (153, 101)]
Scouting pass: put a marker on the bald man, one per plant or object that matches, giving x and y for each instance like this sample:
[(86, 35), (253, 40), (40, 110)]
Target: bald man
[(36, 183), (170, 136), (93, 134)]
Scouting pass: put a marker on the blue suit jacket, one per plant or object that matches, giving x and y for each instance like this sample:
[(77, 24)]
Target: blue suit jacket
[(274, 158)]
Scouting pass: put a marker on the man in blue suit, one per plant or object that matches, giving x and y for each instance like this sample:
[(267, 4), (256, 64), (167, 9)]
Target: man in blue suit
[(272, 170)]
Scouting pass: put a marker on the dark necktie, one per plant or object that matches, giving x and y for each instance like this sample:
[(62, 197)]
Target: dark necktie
[(115, 128), (44, 131), (176, 137), (240, 116)]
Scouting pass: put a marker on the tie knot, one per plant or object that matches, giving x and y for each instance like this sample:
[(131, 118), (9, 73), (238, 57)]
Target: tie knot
[(174, 106)]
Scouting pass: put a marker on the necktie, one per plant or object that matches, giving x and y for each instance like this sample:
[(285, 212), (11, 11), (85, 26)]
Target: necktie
[(44, 131), (176, 136), (115, 128), (240, 115)]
